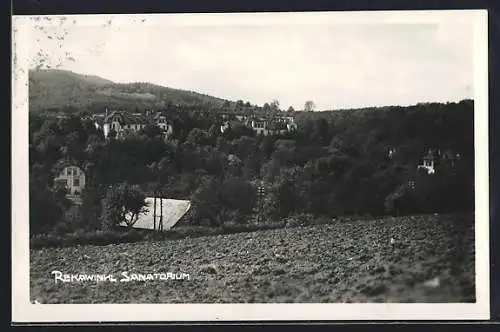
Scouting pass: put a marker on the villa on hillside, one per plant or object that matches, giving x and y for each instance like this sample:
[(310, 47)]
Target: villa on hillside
[(72, 178), (259, 125), (435, 159), (273, 125), (291, 126), (122, 123), (225, 126), (428, 163), (161, 121), (262, 125)]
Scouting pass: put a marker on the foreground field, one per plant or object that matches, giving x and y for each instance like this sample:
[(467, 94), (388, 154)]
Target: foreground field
[(432, 260)]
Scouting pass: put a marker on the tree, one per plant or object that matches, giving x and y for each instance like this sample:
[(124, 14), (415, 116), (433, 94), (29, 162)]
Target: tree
[(309, 106), (291, 109), (152, 131), (243, 147), (197, 137), (123, 203), (73, 147), (213, 134), (266, 108), (112, 133), (238, 130), (239, 105), (46, 207), (283, 150), (275, 105), (91, 208), (207, 204), (239, 196), (217, 201), (321, 132)]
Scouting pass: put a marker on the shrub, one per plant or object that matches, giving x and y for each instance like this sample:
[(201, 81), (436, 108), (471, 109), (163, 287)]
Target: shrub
[(322, 220), (81, 237), (91, 208), (221, 201), (45, 240), (123, 203), (73, 219), (61, 228), (46, 208), (302, 219)]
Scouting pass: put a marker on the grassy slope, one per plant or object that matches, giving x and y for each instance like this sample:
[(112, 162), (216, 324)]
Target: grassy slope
[(349, 262), (59, 88)]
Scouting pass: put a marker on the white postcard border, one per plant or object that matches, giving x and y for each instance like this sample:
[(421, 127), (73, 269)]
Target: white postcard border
[(24, 311)]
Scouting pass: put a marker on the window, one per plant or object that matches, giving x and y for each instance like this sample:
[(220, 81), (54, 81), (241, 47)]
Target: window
[(76, 182), (61, 183)]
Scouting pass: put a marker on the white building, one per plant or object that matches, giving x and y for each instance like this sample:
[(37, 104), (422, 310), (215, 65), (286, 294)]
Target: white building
[(428, 163), (161, 122), (72, 178), (291, 126), (122, 123), (225, 126), (260, 127)]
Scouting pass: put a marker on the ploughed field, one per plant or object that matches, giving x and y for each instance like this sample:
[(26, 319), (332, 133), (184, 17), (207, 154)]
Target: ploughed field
[(432, 260)]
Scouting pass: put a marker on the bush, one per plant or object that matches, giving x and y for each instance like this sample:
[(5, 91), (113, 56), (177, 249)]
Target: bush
[(85, 238), (323, 220), (302, 219), (45, 240), (61, 228), (73, 218)]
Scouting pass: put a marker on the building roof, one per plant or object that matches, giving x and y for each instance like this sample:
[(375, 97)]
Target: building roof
[(428, 157), (127, 118), (173, 210), (276, 125)]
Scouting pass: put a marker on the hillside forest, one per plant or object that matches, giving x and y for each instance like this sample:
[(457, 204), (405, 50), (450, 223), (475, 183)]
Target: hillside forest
[(360, 162)]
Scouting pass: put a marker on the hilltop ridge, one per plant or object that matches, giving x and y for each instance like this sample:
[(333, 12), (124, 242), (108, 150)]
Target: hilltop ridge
[(55, 89)]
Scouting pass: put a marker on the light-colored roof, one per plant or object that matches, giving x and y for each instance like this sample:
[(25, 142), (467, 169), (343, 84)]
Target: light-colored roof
[(173, 211)]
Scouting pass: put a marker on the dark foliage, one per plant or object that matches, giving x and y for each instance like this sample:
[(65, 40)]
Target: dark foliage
[(349, 162)]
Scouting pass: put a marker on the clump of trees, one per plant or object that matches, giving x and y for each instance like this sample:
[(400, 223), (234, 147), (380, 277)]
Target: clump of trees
[(337, 163), (218, 201)]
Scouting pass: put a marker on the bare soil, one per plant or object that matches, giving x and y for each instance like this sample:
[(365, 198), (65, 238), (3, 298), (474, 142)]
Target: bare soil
[(432, 260)]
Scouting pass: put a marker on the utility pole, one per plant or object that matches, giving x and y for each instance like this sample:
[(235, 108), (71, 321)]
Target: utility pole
[(260, 200), (154, 210), (160, 224)]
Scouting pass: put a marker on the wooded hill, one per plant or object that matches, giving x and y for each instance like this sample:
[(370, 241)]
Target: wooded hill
[(54, 90)]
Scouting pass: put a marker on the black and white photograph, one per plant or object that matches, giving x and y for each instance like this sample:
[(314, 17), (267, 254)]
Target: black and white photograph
[(258, 166)]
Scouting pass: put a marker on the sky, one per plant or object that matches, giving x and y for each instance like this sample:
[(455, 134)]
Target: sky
[(337, 64)]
